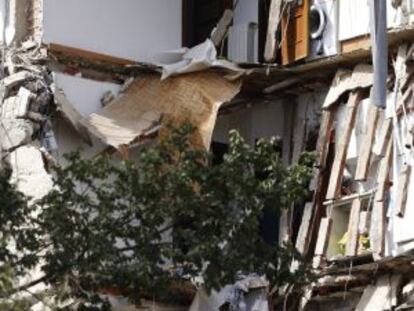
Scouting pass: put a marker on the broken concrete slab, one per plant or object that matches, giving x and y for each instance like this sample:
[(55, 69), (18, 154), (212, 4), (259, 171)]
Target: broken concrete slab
[(22, 103), (346, 81), (11, 81), (16, 106), (15, 132), (29, 173), (16, 79)]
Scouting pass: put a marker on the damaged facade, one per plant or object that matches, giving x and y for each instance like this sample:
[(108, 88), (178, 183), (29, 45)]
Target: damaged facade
[(300, 70)]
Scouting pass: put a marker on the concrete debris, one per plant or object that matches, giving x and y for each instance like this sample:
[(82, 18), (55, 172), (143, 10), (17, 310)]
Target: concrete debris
[(15, 79), (14, 133), (346, 81), (25, 109), (16, 106), (29, 173)]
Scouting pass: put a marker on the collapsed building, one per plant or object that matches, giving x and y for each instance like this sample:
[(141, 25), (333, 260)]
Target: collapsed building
[(104, 75)]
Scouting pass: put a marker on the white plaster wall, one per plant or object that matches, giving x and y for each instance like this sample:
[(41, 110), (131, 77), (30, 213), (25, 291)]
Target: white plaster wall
[(262, 119), (400, 234), (2, 20), (354, 18), (86, 96), (247, 11), (134, 29)]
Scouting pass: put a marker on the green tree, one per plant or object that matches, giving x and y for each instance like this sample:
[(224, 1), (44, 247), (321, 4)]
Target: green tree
[(164, 217)]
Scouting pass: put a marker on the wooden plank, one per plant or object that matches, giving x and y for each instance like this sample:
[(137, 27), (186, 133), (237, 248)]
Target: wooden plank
[(402, 191), (295, 32), (367, 144), (377, 231), (222, 26), (322, 146), (324, 137), (353, 229), (364, 222), (89, 55), (354, 44), (342, 146), (282, 85), (323, 236), (384, 136), (303, 235), (274, 20), (348, 199), (299, 132), (383, 172)]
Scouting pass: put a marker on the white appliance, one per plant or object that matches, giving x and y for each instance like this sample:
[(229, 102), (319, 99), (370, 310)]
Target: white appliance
[(323, 28), (243, 43)]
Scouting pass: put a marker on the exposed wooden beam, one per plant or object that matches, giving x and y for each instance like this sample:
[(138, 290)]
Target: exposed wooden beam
[(402, 191), (303, 235), (323, 240), (364, 156), (383, 173), (274, 20), (342, 145), (64, 50), (353, 229)]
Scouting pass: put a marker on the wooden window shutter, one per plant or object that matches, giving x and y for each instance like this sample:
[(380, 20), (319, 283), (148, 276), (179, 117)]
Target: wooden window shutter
[(295, 32)]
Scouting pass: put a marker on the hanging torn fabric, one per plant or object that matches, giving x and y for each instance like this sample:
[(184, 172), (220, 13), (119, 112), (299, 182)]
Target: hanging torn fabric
[(379, 41)]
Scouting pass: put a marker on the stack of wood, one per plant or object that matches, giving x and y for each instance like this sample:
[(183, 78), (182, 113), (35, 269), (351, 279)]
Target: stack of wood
[(382, 169), (25, 97), (335, 187)]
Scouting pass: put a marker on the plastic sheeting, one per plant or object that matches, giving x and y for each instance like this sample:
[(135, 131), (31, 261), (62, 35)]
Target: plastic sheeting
[(198, 58)]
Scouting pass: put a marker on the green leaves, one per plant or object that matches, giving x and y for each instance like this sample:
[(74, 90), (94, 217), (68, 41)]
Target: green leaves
[(136, 226)]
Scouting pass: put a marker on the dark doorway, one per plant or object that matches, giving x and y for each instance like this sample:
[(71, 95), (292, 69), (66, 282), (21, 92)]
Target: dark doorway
[(200, 17)]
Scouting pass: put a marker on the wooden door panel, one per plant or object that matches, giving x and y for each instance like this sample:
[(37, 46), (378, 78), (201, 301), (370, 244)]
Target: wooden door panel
[(295, 33)]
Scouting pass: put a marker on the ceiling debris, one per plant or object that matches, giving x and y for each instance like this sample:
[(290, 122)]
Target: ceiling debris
[(347, 81), (195, 97), (70, 114)]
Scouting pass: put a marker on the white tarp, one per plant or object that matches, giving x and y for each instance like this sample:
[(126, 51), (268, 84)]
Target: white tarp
[(198, 58)]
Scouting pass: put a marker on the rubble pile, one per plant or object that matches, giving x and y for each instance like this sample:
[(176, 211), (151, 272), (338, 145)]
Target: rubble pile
[(25, 117)]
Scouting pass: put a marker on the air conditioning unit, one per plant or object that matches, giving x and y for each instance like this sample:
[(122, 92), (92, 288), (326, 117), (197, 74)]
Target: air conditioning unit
[(323, 28), (243, 43)]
